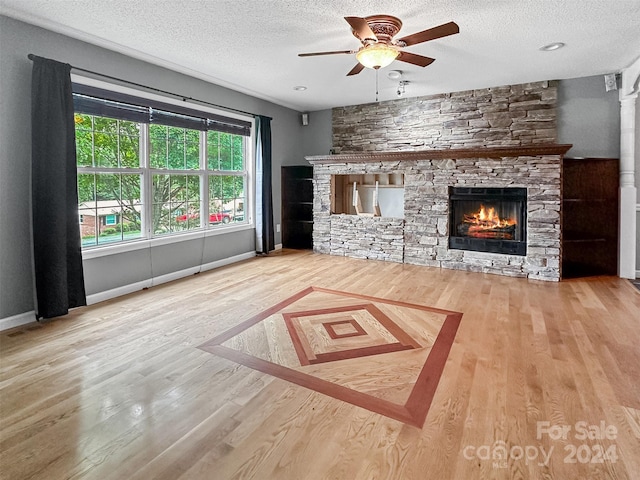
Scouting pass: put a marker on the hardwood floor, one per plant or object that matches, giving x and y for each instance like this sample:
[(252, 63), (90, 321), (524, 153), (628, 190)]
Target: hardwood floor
[(121, 390)]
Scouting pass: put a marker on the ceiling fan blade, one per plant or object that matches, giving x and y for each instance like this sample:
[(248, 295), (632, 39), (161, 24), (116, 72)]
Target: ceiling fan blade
[(444, 30), (361, 28), (325, 53), (419, 60), (356, 70)]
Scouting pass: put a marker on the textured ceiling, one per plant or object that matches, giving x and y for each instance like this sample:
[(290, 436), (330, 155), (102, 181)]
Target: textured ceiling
[(252, 45)]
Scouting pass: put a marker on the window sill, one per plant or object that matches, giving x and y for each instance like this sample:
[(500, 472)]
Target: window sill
[(146, 243)]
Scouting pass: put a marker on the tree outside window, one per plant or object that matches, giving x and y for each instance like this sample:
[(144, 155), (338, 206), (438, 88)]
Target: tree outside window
[(185, 181)]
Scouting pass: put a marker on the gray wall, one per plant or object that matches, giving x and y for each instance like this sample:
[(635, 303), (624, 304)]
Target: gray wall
[(589, 118), (316, 137), (17, 39)]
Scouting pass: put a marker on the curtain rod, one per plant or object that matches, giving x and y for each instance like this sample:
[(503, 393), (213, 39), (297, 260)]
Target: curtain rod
[(184, 98)]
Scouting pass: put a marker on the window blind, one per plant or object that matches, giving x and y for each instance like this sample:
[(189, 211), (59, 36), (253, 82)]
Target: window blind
[(96, 101)]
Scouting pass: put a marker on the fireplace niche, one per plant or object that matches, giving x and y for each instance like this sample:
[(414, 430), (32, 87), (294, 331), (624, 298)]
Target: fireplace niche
[(488, 219)]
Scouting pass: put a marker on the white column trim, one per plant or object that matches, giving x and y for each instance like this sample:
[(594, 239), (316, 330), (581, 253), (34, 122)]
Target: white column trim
[(628, 193), (627, 140), (630, 78)]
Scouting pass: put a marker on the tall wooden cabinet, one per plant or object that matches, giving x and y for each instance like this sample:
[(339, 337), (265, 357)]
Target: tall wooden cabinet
[(297, 207), (589, 216)]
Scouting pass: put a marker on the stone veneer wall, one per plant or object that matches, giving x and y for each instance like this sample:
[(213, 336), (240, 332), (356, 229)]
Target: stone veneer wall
[(508, 116), (426, 223), (499, 116), (376, 238)]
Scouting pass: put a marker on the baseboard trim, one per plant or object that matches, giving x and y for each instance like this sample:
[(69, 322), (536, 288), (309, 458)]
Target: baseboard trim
[(227, 261), (17, 320), (29, 317), (118, 292), (169, 277), (278, 246)]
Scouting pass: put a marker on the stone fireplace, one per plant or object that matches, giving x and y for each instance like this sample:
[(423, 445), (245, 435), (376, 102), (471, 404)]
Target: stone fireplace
[(428, 233)]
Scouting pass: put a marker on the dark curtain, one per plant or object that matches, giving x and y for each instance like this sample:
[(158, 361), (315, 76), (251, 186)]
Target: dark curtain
[(265, 240), (57, 252)]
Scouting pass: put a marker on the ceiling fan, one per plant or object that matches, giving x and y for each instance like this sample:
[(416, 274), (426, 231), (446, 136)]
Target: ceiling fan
[(379, 48)]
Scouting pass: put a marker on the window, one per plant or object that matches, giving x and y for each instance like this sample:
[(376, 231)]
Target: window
[(148, 169), (227, 183), (107, 149)]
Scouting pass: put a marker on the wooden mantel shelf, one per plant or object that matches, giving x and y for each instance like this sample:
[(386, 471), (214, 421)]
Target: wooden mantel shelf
[(450, 153)]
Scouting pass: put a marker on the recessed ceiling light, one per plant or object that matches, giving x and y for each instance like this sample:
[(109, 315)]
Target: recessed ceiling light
[(552, 46), (300, 88)]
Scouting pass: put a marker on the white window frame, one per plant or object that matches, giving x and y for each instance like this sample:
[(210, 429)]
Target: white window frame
[(204, 231)]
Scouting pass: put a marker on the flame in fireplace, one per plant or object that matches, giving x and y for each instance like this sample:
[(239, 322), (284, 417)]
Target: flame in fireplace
[(486, 223), (488, 217)]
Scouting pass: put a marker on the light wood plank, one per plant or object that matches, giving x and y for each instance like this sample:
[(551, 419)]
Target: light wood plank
[(121, 390)]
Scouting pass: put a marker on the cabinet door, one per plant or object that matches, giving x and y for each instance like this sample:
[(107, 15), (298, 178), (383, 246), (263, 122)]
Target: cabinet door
[(589, 217)]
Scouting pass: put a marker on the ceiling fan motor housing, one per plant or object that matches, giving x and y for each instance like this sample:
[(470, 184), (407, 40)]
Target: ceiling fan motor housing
[(384, 26)]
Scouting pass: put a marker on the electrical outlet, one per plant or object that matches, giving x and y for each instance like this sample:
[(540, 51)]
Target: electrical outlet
[(277, 227)]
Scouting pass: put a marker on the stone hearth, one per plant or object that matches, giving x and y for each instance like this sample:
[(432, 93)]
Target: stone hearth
[(421, 238)]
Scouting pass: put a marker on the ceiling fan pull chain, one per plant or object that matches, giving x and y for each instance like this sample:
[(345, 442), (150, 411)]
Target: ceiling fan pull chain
[(377, 70)]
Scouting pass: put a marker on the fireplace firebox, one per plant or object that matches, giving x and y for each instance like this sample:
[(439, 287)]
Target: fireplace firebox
[(488, 219)]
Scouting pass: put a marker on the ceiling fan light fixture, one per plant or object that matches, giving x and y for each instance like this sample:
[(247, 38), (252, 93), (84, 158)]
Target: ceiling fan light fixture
[(377, 55)]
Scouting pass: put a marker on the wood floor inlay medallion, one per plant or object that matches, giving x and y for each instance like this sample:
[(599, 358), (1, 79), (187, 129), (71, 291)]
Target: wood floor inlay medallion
[(379, 354), (340, 328)]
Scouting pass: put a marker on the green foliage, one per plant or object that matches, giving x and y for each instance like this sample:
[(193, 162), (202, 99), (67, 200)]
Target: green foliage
[(107, 142), (225, 151), (103, 142), (125, 227), (175, 195), (174, 148)]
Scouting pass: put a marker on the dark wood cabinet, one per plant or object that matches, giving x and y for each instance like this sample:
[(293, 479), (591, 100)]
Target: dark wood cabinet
[(589, 216), (297, 207)]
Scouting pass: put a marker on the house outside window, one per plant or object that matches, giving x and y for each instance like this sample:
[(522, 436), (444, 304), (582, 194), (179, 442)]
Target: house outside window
[(145, 172)]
